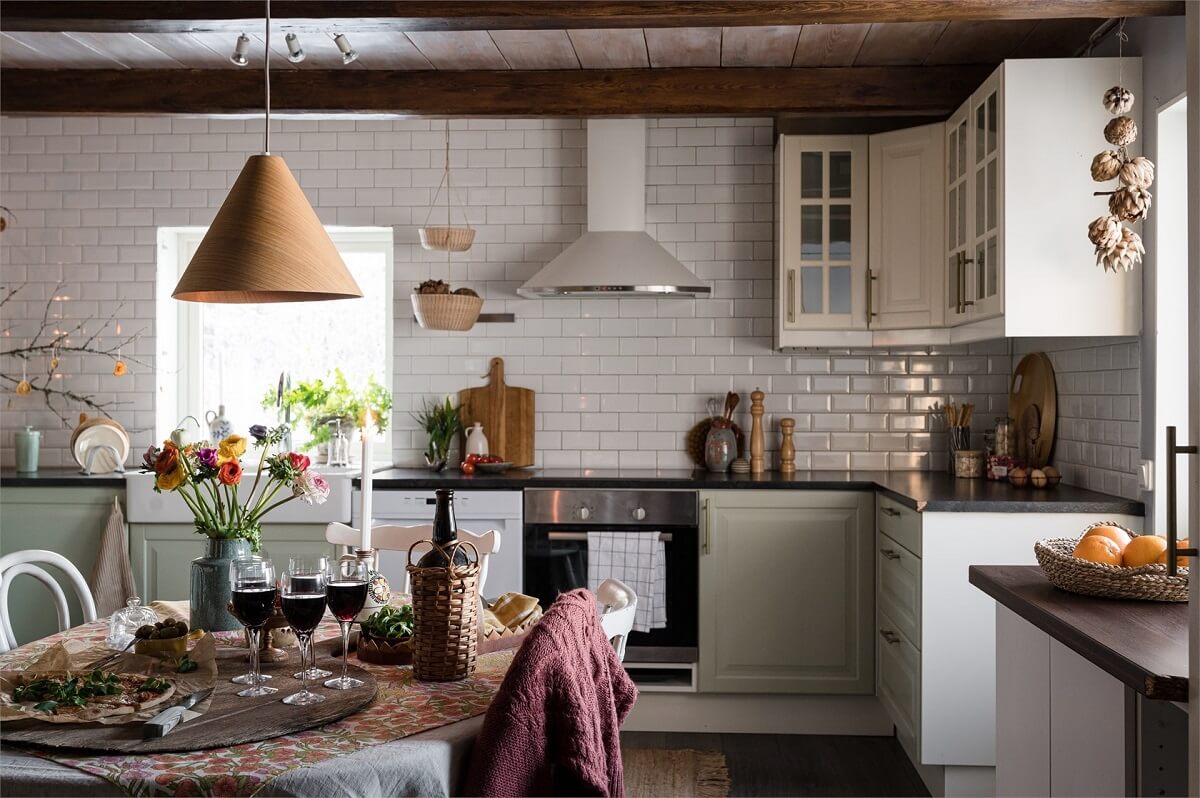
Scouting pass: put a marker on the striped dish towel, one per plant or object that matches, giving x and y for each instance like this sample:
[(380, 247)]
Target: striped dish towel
[(112, 578), (638, 559)]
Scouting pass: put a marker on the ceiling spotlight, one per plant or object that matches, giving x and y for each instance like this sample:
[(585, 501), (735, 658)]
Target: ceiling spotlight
[(348, 52), (240, 49), (295, 51)]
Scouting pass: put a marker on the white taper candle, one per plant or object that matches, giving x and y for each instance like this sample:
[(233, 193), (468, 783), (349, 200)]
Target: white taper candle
[(366, 490)]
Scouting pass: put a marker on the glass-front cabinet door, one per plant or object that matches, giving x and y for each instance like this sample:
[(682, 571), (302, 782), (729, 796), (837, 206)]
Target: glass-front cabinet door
[(958, 195), (985, 272), (823, 232)]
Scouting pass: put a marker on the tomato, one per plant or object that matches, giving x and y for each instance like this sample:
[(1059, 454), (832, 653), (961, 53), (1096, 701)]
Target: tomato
[(473, 458), (468, 467)]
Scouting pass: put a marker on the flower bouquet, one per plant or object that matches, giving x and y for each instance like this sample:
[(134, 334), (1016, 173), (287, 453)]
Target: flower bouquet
[(210, 481)]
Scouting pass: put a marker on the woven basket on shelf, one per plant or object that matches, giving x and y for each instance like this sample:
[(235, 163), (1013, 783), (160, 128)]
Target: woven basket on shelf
[(447, 239), (456, 312), (445, 616), (1068, 572)]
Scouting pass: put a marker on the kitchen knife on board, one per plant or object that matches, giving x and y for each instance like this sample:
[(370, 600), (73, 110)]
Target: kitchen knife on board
[(161, 724)]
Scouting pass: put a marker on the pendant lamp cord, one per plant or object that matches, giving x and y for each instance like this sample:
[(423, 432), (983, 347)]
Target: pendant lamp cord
[(267, 77)]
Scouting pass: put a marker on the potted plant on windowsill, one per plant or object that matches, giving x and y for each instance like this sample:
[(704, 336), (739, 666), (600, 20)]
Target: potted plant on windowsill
[(317, 402), (209, 480), (442, 423)]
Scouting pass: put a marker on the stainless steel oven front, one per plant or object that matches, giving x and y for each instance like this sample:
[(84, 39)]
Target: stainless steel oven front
[(556, 525)]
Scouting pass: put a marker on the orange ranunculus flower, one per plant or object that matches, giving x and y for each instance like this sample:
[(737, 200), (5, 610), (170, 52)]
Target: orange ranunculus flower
[(230, 472), (231, 448), (168, 459), (170, 480)]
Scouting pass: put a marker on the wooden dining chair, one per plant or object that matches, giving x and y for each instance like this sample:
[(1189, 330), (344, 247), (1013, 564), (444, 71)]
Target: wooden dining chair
[(400, 538), (29, 562), (617, 604)]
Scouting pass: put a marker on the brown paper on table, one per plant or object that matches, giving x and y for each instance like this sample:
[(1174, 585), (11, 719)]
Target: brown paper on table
[(76, 657)]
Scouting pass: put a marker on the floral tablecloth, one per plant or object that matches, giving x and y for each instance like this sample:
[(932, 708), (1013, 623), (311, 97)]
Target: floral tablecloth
[(403, 707)]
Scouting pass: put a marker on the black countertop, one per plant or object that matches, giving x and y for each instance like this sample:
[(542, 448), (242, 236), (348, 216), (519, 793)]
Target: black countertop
[(59, 478), (1142, 643), (921, 490)]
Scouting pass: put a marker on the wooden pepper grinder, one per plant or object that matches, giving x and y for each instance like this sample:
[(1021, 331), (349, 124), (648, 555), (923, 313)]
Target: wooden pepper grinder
[(787, 449), (757, 462)]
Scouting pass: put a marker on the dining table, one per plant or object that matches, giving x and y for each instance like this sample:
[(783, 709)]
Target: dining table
[(414, 738)]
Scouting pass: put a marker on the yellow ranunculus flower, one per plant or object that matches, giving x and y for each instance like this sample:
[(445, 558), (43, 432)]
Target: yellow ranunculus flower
[(172, 479), (231, 448)]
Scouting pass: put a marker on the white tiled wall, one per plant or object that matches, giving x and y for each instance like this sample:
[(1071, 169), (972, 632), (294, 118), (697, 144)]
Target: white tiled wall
[(619, 382), (1099, 409)]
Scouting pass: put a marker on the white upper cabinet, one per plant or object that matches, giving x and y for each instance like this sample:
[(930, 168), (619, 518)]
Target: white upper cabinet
[(977, 226), (822, 238), (906, 232)]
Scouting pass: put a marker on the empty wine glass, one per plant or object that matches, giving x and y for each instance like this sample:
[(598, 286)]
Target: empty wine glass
[(303, 601), (303, 566), (253, 589), (346, 593)]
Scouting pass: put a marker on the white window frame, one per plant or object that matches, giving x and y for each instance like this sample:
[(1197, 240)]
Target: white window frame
[(178, 327)]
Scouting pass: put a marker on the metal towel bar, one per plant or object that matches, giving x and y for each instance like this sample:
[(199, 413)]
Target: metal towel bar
[(665, 537)]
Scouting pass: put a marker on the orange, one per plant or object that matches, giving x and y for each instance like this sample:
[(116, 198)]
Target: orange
[(1115, 534), (1180, 562), (1143, 550), (1097, 548)]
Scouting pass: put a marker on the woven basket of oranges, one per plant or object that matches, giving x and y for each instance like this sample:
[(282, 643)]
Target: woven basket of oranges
[(1111, 561)]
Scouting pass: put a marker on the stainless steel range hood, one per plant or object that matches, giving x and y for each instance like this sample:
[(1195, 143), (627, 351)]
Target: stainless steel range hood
[(615, 257)]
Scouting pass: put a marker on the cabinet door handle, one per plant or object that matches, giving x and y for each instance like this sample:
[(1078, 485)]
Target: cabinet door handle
[(791, 295), (707, 524), (890, 511), (888, 635), (870, 300), (890, 554)]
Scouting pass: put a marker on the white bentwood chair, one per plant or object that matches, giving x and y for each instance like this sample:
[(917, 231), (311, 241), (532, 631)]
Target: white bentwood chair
[(400, 538), (30, 562), (617, 605)]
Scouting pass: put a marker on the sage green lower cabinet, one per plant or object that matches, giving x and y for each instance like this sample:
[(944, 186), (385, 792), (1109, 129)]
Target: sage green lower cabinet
[(67, 520), (787, 592), (162, 554)]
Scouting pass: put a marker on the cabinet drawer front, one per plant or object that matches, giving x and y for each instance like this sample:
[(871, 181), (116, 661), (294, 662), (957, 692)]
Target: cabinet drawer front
[(899, 685), (902, 524), (899, 587)]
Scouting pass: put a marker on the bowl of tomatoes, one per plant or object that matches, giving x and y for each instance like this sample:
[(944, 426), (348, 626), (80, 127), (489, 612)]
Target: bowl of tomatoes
[(485, 463)]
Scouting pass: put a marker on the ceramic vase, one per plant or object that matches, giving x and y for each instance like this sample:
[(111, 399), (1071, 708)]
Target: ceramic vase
[(210, 593), (720, 447)]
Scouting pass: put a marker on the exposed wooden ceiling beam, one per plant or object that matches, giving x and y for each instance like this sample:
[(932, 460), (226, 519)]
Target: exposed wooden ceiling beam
[(918, 91), (114, 16)]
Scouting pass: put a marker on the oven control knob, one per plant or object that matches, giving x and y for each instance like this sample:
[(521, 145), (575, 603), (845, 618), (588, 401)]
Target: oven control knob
[(639, 514), (584, 513)]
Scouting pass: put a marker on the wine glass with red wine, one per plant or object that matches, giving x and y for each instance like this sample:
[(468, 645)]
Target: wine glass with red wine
[(303, 599), (253, 591), (346, 593), (303, 567)]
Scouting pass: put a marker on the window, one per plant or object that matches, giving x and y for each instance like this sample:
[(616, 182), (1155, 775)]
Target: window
[(1171, 302), (233, 355)]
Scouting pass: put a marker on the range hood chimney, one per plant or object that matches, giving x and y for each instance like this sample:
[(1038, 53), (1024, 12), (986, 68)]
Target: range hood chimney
[(615, 257)]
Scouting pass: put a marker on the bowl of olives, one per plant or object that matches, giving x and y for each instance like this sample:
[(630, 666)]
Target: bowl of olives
[(167, 638)]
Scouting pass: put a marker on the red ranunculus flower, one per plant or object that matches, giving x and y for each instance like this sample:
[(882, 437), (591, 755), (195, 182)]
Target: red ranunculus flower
[(300, 462), (230, 472), (167, 460)]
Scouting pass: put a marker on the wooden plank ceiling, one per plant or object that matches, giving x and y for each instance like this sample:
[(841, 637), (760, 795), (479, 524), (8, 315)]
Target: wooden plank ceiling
[(108, 54), (851, 44)]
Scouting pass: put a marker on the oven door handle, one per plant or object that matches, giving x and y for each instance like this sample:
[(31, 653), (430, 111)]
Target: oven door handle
[(665, 537)]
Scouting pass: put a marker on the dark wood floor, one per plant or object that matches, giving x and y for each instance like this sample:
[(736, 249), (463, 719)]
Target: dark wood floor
[(800, 764)]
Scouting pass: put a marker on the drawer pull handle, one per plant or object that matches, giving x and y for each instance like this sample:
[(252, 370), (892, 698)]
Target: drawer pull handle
[(891, 554), (889, 636), (890, 511)]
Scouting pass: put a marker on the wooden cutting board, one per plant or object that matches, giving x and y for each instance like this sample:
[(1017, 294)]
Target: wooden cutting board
[(1033, 406), (506, 414)]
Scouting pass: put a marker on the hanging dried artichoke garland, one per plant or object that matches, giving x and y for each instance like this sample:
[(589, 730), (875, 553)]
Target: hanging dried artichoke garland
[(1118, 248)]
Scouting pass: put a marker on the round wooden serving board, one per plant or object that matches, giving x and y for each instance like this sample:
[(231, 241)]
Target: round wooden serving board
[(230, 719)]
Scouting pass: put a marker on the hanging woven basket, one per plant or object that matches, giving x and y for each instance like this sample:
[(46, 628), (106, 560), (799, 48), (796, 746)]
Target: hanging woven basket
[(455, 312), (447, 237)]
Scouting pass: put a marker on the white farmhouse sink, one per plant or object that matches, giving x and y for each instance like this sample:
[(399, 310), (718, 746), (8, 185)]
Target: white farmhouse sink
[(147, 507)]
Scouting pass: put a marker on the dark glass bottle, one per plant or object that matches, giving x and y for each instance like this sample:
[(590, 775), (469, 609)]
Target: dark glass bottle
[(445, 533)]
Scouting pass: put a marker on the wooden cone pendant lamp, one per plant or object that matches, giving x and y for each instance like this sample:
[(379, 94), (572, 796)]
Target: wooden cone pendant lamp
[(266, 243)]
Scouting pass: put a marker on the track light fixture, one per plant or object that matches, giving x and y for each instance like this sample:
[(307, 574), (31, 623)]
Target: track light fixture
[(295, 51), (343, 44), (240, 48)]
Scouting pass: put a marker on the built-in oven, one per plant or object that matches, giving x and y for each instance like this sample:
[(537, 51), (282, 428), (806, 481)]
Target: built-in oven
[(556, 527)]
